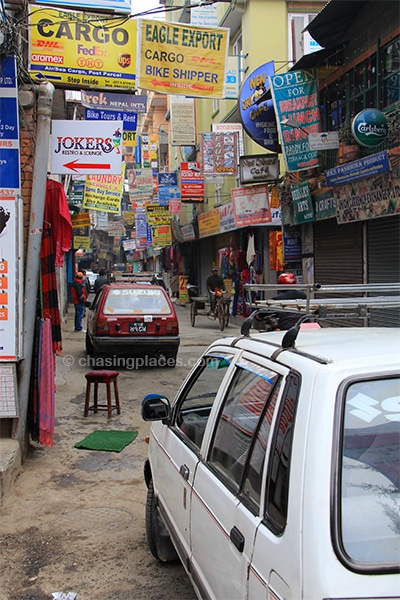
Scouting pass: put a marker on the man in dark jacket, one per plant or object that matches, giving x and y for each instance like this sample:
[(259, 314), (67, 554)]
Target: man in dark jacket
[(79, 295), (214, 281), (101, 280)]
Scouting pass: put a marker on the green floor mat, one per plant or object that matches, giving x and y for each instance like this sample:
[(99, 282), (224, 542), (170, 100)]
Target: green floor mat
[(108, 441)]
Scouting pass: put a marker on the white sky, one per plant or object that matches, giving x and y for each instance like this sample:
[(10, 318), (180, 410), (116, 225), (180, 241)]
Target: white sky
[(139, 6)]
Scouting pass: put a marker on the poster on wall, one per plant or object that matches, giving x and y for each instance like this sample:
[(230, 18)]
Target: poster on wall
[(8, 279)]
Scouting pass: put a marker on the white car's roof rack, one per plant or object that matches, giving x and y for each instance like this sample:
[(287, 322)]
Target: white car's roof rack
[(340, 301)]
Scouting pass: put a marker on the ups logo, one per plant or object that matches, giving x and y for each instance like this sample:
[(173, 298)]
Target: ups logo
[(124, 60)]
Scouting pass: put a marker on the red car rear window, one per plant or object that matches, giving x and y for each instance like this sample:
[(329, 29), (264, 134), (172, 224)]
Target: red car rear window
[(141, 301)]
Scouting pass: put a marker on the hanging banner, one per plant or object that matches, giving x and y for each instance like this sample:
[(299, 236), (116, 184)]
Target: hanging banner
[(218, 153), (104, 192), (295, 97), (251, 205), (81, 50), (182, 59), (183, 124), (192, 182)]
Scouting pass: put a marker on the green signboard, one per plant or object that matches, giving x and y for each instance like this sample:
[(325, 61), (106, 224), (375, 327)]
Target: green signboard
[(325, 206), (302, 203)]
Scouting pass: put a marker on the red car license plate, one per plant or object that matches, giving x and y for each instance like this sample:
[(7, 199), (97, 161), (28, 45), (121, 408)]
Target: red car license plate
[(137, 327)]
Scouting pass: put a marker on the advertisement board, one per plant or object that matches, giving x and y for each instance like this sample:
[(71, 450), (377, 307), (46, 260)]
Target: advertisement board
[(81, 50)]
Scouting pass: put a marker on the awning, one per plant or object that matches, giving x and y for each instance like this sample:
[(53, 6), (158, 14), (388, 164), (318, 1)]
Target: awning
[(329, 26)]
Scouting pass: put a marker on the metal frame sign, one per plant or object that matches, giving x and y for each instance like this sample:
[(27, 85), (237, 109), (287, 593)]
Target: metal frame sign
[(81, 50), (86, 147)]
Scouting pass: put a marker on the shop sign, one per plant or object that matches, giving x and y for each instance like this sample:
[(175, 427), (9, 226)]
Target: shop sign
[(9, 130), (116, 228), (218, 151), (183, 123), (324, 140), (112, 101), (141, 223), (358, 169), (140, 183), (192, 182), (226, 218), (86, 147), (9, 275), (209, 223), (251, 206), (194, 63), (258, 168), (292, 244), (188, 233), (370, 127), (80, 50), (81, 242), (129, 120), (377, 197), (80, 220), (257, 110), (325, 207), (162, 235), (157, 214), (104, 192), (302, 203), (295, 96), (229, 128), (168, 188)]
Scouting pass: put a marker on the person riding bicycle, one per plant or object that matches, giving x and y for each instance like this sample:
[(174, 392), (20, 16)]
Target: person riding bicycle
[(214, 282)]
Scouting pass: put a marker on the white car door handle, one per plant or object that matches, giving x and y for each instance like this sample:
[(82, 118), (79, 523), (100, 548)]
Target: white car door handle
[(184, 471)]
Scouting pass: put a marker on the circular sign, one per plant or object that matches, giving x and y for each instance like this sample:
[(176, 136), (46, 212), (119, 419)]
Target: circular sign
[(370, 127), (257, 111)]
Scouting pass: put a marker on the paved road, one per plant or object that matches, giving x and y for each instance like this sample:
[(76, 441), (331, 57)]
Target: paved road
[(74, 521)]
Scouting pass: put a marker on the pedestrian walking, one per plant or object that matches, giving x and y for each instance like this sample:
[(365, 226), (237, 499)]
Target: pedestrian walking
[(101, 280), (79, 295)]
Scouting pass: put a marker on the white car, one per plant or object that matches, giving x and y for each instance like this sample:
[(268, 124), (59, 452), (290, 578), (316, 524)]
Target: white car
[(275, 473)]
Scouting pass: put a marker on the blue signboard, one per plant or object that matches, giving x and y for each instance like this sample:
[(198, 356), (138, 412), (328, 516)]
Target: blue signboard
[(168, 188), (358, 169), (256, 109), (129, 119), (9, 133)]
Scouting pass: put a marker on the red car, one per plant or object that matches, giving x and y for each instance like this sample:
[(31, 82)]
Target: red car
[(133, 320)]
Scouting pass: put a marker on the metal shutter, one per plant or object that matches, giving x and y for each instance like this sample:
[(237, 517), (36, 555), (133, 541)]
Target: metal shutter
[(337, 252), (383, 255)]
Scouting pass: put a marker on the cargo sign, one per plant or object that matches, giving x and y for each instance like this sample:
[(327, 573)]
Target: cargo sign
[(182, 59), (81, 50), (120, 6), (86, 147)]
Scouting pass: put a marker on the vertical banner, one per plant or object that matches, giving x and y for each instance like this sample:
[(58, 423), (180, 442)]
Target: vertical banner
[(8, 278), (219, 153), (183, 125), (295, 97), (182, 59)]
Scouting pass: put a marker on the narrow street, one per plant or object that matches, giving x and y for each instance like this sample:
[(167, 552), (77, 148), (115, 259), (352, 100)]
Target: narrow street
[(74, 521)]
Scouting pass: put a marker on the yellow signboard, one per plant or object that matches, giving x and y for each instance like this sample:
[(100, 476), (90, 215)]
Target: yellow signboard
[(81, 242), (162, 235), (158, 214), (80, 49), (177, 58), (209, 223), (80, 220), (104, 192)]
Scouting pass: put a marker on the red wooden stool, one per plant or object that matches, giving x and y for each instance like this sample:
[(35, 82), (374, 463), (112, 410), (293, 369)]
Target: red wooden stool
[(107, 377)]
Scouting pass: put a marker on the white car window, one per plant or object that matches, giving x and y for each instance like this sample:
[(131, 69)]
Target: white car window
[(370, 472), (235, 451), (193, 412)]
